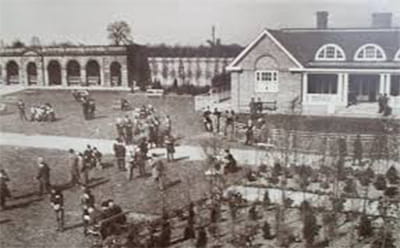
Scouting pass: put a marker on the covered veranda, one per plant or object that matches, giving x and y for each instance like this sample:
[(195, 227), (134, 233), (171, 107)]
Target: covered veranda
[(333, 90)]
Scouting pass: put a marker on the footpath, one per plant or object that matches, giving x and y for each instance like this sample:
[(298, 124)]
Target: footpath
[(188, 152)]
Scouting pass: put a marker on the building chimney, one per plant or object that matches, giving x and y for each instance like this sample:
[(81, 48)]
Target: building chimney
[(382, 20), (322, 19)]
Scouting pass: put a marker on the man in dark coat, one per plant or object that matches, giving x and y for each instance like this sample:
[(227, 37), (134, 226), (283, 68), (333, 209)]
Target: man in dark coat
[(4, 191), (74, 167), (85, 108), (43, 176), (120, 153), (57, 202)]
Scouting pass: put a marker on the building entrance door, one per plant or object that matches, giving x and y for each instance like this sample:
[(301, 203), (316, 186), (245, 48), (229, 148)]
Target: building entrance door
[(364, 87)]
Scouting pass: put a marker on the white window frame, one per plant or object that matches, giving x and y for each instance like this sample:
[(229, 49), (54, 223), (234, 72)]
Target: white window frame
[(397, 56), (264, 85), (363, 48), (323, 51)]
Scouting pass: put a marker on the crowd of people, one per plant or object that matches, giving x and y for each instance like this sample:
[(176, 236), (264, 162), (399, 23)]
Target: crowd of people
[(88, 103), (219, 121), (38, 112)]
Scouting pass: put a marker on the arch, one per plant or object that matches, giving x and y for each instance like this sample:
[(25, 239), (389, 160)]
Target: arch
[(31, 72), (73, 72), (330, 52), (397, 56), (115, 73), (266, 62), (54, 72), (12, 72), (370, 52), (93, 72)]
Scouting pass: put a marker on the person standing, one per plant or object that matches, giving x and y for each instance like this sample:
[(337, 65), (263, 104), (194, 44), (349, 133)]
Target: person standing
[(43, 176), (57, 202), (21, 110), (130, 164), (4, 190), (120, 153), (249, 132), (119, 125), (85, 108), (259, 106), (74, 168), (357, 151), (217, 118), (253, 108), (140, 160), (128, 130), (87, 199), (170, 147), (380, 104), (158, 171), (168, 124)]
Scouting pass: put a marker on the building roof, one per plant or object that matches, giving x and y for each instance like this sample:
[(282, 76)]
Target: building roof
[(304, 43), (64, 50), (301, 46)]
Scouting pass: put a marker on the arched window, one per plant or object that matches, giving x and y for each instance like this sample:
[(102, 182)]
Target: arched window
[(370, 52), (330, 52), (397, 56)]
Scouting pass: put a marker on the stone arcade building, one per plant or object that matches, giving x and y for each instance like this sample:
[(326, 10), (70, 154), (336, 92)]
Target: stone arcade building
[(320, 67), (65, 66)]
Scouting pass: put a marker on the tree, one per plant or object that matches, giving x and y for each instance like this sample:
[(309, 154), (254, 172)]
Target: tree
[(18, 44), (310, 228), (365, 227), (35, 41), (119, 33), (384, 239)]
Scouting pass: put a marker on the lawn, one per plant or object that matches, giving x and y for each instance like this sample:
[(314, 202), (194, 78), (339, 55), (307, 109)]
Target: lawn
[(29, 220), (185, 121)]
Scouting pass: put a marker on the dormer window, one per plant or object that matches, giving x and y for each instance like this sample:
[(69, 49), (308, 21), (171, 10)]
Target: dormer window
[(370, 52), (330, 52)]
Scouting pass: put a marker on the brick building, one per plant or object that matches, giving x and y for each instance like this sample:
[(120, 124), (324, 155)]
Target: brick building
[(319, 69)]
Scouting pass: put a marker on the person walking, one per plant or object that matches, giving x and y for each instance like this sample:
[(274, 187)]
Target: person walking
[(4, 190), (43, 176), (57, 202), (21, 110), (74, 168), (128, 130)]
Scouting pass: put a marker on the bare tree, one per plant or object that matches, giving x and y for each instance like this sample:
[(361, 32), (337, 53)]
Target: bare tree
[(119, 33)]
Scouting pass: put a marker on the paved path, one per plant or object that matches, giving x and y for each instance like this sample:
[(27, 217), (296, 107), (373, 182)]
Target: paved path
[(188, 152), (105, 146)]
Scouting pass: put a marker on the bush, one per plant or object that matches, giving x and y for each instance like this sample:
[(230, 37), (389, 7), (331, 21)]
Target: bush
[(392, 175), (365, 227), (188, 89), (380, 183), (267, 230), (391, 192)]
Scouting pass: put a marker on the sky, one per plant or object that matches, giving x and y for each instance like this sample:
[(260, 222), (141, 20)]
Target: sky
[(184, 22)]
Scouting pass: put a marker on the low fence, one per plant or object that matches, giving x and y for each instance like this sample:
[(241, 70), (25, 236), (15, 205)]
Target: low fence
[(387, 146)]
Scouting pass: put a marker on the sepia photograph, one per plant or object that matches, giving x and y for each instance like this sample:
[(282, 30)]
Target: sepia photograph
[(200, 123)]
